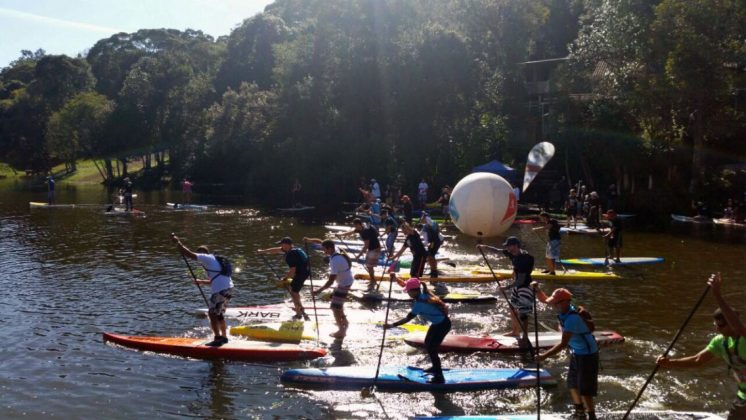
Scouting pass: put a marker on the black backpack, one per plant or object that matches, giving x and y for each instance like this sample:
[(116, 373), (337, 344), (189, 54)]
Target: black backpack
[(226, 268)]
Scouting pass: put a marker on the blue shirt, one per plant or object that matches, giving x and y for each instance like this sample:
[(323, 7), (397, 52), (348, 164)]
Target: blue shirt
[(428, 311), (582, 341)]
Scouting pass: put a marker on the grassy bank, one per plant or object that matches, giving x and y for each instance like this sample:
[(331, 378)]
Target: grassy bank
[(85, 172)]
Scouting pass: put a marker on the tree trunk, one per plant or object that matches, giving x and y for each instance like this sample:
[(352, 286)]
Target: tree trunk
[(124, 167), (698, 171)]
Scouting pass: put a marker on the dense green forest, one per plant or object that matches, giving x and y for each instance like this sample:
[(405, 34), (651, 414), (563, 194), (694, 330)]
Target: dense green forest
[(648, 95)]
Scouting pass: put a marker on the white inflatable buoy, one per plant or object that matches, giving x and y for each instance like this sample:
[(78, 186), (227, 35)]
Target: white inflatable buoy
[(483, 205)]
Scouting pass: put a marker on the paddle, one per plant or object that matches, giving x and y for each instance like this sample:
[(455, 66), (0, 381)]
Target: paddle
[(557, 262), (272, 269), (538, 363), (193, 276), (670, 346), (313, 297), (371, 391), (510, 305)]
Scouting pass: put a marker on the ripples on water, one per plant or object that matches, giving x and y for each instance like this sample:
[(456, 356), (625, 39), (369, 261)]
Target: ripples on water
[(71, 274)]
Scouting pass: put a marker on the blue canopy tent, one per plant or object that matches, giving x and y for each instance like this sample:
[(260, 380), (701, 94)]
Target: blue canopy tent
[(499, 168)]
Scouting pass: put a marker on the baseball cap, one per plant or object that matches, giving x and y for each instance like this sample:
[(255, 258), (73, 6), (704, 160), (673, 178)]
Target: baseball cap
[(512, 241), (412, 284), (286, 240), (559, 295)]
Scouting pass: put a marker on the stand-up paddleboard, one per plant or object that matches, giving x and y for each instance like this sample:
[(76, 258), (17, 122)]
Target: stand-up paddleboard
[(233, 350), (525, 221), (585, 230), (728, 222), (407, 378), (295, 331), (265, 313), (559, 275), (485, 276), (687, 219), (117, 212), (39, 204), (472, 298), (506, 344), (296, 209), (614, 415), (183, 206), (603, 261)]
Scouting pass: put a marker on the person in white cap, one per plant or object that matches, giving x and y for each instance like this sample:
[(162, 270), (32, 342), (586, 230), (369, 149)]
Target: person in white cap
[(434, 310)]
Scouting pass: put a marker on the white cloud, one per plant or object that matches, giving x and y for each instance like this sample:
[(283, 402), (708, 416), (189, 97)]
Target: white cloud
[(58, 22)]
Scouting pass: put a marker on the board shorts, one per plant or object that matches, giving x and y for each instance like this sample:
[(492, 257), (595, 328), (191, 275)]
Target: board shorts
[(297, 283), (219, 302), (523, 301), (372, 257), (339, 296), (432, 249), (553, 249), (583, 374)]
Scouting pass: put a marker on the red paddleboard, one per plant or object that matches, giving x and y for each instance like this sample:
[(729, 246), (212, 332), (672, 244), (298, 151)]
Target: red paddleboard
[(525, 221), (233, 350), (505, 344)]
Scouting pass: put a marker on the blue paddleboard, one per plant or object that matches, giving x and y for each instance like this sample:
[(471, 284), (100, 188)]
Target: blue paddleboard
[(602, 261), (408, 378), (646, 415)]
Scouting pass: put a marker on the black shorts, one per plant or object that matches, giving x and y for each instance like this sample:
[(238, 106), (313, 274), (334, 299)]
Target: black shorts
[(432, 250), (418, 266), (583, 374), (616, 242), (297, 283)]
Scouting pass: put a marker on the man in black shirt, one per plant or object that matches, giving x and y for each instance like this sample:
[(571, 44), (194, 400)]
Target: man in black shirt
[(298, 271), (613, 238), (553, 241), (371, 248)]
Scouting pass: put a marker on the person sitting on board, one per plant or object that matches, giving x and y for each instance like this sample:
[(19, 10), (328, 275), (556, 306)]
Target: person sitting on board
[(582, 374), (298, 271), (221, 288), (571, 208), (186, 190), (729, 345), (433, 310), (50, 189), (371, 248), (554, 240), (413, 241), (340, 271), (432, 239), (613, 238), (522, 295)]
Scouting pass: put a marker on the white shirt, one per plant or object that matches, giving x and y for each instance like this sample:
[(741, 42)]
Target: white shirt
[(211, 265), (422, 187), (338, 266), (375, 189)]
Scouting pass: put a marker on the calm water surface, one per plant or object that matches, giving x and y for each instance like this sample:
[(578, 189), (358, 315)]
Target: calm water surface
[(71, 274)]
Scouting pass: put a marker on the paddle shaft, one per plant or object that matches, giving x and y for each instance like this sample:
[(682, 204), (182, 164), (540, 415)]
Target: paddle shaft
[(510, 305), (538, 363), (349, 251), (670, 346), (195, 280), (272, 269), (383, 339), (313, 297)]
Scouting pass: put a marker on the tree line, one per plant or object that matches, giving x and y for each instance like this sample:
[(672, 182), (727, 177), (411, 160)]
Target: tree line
[(648, 95)]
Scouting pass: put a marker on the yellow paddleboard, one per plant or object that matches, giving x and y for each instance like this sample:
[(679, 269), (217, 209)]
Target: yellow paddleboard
[(450, 278), (288, 331), (561, 275)]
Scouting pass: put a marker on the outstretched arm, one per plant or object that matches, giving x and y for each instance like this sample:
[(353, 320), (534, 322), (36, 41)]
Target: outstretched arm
[(715, 281), (182, 249), (698, 359), (273, 250)]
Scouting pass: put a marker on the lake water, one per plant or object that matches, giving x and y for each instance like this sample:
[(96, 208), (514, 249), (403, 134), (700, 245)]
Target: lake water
[(72, 274)]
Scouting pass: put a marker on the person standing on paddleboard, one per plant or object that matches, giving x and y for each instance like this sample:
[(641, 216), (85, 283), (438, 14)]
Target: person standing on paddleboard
[(298, 271), (371, 248), (221, 288), (553, 241), (50, 190), (571, 208), (613, 238), (413, 241), (432, 239), (406, 208), (522, 295), (582, 374), (433, 310), (340, 270), (186, 190), (729, 345), (127, 193)]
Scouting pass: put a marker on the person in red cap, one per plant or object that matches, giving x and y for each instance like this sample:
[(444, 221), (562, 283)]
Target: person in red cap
[(577, 334), (434, 310)]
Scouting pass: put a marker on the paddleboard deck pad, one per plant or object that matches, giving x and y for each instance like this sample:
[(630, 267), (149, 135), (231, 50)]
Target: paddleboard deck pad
[(505, 344), (412, 379), (233, 350)]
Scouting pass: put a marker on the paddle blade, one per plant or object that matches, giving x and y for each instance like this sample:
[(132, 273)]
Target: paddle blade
[(537, 158)]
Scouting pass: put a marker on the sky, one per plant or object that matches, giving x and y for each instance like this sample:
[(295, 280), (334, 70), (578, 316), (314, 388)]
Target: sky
[(72, 27)]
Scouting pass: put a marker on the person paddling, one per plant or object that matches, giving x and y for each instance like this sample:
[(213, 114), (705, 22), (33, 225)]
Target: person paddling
[(298, 271), (432, 239), (127, 193), (553, 241), (577, 334), (221, 287), (50, 189), (340, 271), (371, 248), (433, 310), (613, 238), (413, 241), (729, 345), (522, 295)]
